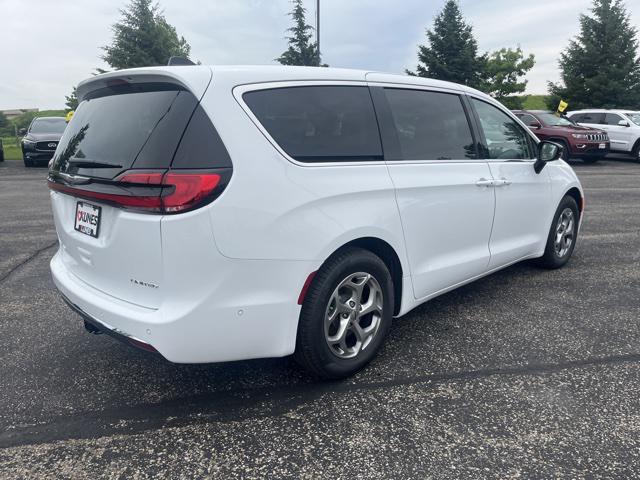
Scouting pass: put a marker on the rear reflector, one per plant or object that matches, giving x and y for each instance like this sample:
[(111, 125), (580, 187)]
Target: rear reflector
[(305, 287)]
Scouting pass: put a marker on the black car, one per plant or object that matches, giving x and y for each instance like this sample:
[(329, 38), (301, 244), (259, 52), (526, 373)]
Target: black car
[(1, 151), (41, 140)]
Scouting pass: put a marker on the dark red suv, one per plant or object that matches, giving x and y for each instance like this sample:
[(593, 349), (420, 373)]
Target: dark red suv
[(587, 144)]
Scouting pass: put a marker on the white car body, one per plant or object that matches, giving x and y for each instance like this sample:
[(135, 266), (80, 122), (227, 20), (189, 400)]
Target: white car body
[(622, 126), (222, 282)]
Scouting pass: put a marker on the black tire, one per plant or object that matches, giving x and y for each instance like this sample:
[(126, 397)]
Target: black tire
[(565, 150), (313, 351), (636, 151), (553, 258), (27, 163)]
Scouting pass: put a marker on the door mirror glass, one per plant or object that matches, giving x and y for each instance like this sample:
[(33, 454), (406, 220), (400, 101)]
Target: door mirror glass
[(623, 123), (549, 151), (22, 131)]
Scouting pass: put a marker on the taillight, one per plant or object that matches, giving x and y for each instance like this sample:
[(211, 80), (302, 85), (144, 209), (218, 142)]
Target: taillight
[(173, 191)]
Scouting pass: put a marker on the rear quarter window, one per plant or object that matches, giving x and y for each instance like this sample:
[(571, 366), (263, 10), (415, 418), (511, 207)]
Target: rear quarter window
[(319, 123)]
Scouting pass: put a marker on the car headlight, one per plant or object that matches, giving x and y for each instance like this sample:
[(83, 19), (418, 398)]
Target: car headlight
[(30, 142), (580, 136)]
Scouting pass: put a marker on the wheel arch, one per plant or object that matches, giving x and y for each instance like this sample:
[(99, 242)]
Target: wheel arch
[(388, 255), (574, 193)]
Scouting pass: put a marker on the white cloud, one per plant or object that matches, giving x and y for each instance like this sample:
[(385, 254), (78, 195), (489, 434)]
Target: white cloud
[(55, 44)]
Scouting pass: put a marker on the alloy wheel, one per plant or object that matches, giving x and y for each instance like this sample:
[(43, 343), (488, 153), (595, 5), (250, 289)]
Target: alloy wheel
[(353, 315), (565, 232)]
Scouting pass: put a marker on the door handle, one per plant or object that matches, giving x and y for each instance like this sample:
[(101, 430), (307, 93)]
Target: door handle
[(483, 182), (503, 182)]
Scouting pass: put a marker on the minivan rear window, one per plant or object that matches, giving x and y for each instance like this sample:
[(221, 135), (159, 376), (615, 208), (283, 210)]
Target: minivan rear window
[(125, 126), (319, 123)]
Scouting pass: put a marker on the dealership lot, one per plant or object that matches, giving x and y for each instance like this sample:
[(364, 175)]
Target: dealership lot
[(525, 372)]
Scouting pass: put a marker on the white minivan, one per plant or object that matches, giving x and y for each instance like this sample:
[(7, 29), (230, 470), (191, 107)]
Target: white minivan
[(217, 213)]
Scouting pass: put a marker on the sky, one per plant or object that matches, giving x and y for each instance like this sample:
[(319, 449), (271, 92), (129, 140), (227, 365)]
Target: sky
[(51, 45)]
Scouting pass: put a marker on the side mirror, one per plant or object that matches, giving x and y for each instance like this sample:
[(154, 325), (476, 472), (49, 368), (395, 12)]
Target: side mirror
[(535, 125), (22, 131), (547, 152), (623, 123)]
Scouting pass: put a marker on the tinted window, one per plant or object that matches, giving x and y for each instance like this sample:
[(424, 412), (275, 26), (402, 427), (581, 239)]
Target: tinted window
[(528, 120), (48, 125), (319, 123), (577, 118), (133, 126), (594, 118), (612, 119), (505, 139), (430, 125)]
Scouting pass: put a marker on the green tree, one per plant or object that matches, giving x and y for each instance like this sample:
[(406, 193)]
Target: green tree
[(143, 38), (6, 128), (72, 100), (600, 68), (452, 50), (301, 51), (503, 75)]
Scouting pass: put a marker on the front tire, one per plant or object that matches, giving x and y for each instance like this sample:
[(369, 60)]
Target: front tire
[(346, 314), (562, 235)]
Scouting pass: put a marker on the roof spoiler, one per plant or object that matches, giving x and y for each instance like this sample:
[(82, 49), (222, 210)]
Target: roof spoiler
[(179, 61)]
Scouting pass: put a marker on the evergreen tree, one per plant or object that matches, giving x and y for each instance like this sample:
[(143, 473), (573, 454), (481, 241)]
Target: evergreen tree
[(143, 38), (502, 76), (452, 52), (600, 68), (72, 100), (301, 51)]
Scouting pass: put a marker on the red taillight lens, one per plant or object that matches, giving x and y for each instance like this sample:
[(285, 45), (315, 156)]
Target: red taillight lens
[(189, 189), (174, 191)]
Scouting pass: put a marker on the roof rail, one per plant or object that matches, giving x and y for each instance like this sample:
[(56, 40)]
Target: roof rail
[(176, 61)]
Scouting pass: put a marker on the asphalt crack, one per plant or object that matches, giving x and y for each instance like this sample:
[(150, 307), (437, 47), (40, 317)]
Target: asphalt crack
[(31, 257), (236, 405)]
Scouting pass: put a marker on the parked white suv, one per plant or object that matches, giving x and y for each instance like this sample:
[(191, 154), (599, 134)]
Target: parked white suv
[(224, 213), (623, 127)]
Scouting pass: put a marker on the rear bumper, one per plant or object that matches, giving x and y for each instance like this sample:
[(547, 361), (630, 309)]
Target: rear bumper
[(227, 323)]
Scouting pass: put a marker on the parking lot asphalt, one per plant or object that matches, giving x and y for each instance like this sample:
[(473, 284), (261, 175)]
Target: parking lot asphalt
[(525, 373)]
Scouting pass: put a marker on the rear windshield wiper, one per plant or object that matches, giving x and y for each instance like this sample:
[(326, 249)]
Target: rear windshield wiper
[(89, 164)]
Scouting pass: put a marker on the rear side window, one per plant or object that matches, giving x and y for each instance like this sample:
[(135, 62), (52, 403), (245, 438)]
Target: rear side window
[(138, 126), (319, 123), (430, 125), (593, 118)]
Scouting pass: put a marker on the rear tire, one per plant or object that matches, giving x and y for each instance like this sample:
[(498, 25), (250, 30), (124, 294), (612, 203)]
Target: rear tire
[(346, 314), (562, 237)]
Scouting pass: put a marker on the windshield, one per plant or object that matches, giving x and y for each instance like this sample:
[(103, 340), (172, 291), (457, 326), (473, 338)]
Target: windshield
[(48, 125), (634, 117), (554, 121)]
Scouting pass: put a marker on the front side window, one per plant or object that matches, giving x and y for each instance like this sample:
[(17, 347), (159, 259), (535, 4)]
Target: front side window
[(319, 123), (430, 125), (528, 120), (505, 139), (612, 119)]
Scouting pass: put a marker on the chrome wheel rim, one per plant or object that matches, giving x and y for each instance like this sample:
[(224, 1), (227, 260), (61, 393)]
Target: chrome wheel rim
[(353, 315), (565, 229)]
